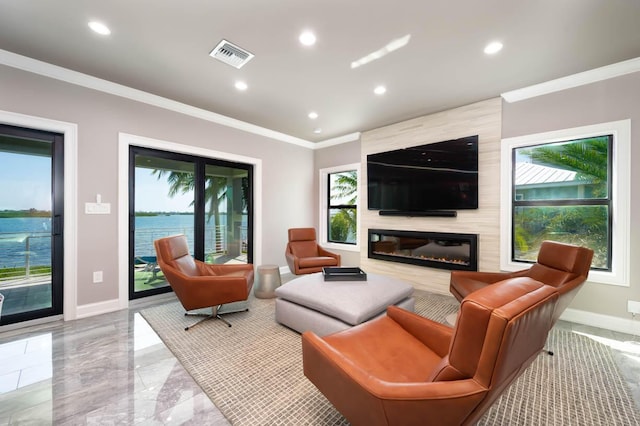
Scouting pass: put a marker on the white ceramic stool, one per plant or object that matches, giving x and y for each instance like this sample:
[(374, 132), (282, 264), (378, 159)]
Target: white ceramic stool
[(267, 280)]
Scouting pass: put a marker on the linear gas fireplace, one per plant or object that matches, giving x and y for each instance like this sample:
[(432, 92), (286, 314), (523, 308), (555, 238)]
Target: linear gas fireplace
[(432, 249)]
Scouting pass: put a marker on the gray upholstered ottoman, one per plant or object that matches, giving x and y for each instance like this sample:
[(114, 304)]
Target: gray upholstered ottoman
[(324, 307)]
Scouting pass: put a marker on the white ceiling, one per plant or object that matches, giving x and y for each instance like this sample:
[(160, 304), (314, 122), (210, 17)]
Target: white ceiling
[(162, 47)]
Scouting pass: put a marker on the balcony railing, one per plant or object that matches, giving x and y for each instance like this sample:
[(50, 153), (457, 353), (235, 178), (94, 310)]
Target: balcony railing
[(19, 250), (216, 239), (27, 255)]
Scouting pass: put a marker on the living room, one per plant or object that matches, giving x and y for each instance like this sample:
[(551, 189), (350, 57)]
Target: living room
[(100, 124)]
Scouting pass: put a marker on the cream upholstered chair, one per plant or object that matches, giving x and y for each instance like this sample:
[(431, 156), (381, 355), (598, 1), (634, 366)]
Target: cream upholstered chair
[(198, 284), (304, 255)]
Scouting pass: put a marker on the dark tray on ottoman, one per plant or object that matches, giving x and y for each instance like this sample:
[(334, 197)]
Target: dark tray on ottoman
[(344, 274)]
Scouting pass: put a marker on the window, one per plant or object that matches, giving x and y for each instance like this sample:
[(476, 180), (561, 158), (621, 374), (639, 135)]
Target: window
[(339, 206), (569, 186), (562, 192)]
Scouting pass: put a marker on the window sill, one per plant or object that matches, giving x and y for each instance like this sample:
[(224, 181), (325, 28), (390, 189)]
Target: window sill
[(343, 247)]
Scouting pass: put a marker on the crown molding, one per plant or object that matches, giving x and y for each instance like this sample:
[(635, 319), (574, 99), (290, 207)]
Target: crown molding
[(575, 80), (337, 140), (69, 76)]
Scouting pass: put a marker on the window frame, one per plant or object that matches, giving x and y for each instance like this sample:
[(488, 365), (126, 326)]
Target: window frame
[(620, 194), (324, 207), (570, 202)]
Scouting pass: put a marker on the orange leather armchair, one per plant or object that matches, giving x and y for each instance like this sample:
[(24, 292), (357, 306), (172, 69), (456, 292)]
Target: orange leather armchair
[(563, 266), (404, 369), (304, 255), (198, 284)]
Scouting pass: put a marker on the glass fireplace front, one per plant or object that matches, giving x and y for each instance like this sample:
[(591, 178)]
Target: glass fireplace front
[(432, 249)]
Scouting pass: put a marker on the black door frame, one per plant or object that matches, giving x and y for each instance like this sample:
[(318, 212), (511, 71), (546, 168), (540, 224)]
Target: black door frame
[(200, 164), (57, 221)]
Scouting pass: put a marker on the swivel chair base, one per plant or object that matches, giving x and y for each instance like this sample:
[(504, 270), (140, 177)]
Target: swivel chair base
[(213, 315)]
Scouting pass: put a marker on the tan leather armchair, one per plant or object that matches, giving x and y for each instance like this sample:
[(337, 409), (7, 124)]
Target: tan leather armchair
[(198, 284), (563, 266), (304, 255), (404, 369)]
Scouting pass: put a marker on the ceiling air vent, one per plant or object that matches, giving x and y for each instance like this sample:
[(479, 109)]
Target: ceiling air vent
[(231, 54)]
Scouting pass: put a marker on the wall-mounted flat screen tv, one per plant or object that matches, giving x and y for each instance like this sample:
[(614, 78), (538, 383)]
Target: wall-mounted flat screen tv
[(435, 176)]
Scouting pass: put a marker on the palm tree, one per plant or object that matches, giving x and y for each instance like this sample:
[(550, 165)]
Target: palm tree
[(345, 189), (346, 186), (184, 182), (587, 157), (216, 194), (584, 225)]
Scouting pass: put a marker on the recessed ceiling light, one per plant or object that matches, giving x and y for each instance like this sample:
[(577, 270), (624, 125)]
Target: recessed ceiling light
[(241, 85), (99, 28), (380, 90), (493, 48), (307, 38), (317, 130), (313, 115)]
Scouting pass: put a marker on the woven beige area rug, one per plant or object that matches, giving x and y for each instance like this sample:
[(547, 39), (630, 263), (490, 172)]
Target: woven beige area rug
[(253, 372)]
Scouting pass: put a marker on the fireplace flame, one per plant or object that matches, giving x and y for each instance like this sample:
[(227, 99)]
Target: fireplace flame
[(453, 261)]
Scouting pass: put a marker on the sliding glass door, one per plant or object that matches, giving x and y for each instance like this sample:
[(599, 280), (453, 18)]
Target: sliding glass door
[(227, 223), (163, 200), (207, 200), (31, 218)]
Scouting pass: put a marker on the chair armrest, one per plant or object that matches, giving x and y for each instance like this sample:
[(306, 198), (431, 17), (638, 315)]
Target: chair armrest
[(292, 261), (207, 290), (485, 277), (203, 281), (327, 253), (208, 269), (347, 385), (432, 334)]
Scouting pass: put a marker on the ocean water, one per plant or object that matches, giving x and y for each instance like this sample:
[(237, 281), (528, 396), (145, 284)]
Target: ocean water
[(25, 238), (29, 238), (150, 228)]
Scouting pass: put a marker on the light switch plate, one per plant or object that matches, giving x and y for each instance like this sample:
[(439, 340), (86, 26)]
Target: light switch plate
[(97, 208), (633, 306)]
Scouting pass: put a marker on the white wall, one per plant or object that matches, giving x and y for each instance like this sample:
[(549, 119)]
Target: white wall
[(609, 100), (337, 155), (289, 171), (100, 117)]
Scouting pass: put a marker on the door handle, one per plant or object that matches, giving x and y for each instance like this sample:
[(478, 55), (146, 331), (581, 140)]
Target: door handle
[(57, 225)]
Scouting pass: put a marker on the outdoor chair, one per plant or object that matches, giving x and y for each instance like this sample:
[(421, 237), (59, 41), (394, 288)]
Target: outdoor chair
[(147, 264)]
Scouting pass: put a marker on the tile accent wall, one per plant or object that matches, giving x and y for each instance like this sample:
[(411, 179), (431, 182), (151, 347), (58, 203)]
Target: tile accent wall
[(482, 119)]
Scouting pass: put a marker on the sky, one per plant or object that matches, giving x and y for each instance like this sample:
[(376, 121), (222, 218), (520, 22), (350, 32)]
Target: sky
[(152, 194), (26, 184)]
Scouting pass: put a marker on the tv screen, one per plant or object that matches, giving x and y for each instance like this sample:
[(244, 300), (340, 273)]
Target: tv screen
[(435, 176)]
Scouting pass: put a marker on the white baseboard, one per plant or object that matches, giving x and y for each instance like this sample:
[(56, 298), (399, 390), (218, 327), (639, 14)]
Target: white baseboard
[(91, 309), (622, 325)]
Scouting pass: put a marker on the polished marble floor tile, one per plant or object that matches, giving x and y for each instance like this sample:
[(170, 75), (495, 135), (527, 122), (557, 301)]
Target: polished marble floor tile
[(113, 369), (110, 369)]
